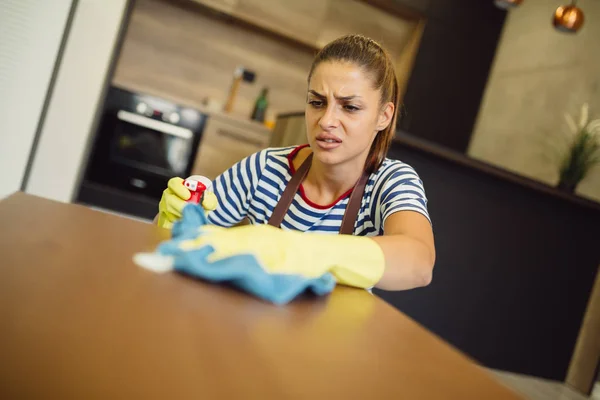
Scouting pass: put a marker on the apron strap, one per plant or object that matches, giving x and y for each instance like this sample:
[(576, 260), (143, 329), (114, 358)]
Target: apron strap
[(353, 205), (352, 208), (288, 194)]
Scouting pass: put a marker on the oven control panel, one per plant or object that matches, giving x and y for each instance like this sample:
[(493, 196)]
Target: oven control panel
[(155, 108)]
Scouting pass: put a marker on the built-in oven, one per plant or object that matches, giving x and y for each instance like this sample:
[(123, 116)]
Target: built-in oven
[(142, 141)]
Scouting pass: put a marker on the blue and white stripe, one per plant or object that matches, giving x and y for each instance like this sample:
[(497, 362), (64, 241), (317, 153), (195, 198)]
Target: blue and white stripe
[(252, 188)]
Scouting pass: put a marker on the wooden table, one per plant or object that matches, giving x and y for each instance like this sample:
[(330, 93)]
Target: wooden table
[(80, 320)]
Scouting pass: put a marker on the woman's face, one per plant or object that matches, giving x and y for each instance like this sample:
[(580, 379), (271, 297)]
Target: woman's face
[(343, 113)]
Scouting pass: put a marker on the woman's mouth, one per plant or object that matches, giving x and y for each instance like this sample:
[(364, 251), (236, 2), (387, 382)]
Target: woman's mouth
[(328, 142)]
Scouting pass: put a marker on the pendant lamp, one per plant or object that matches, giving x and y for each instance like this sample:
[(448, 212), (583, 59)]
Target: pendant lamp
[(568, 18)]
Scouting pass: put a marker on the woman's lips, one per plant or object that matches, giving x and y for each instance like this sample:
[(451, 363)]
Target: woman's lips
[(328, 137), (328, 141)]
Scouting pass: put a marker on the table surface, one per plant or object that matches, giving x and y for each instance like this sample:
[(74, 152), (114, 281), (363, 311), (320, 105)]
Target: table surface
[(80, 320)]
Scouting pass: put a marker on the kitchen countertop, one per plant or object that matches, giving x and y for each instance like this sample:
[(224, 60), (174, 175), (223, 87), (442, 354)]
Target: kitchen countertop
[(404, 139)]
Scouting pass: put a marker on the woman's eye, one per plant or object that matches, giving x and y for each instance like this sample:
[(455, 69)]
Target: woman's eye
[(316, 103), (351, 108)]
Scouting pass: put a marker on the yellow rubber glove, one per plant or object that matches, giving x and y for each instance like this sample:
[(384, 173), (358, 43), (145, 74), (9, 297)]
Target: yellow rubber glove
[(352, 260), (175, 197)]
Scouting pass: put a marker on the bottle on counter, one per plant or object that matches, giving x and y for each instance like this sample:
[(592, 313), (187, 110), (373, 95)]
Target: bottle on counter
[(260, 106)]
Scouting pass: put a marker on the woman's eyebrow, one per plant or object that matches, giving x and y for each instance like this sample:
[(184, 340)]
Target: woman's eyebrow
[(344, 98), (319, 95)]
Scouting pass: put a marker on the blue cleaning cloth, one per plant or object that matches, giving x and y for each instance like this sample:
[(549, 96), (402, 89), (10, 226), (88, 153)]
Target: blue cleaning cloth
[(242, 271)]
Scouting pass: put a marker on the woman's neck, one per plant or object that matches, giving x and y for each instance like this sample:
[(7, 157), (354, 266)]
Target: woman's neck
[(326, 183)]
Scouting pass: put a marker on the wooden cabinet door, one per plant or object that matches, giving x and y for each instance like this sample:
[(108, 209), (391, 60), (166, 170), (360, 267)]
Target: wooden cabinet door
[(289, 131), (353, 16), (300, 19), (223, 144), (226, 6)]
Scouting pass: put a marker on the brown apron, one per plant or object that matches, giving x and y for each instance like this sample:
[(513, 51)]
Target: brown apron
[(292, 187)]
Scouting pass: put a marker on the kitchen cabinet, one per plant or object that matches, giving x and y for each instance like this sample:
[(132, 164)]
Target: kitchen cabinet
[(226, 6), (351, 16), (299, 20), (226, 141), (314, 23), (290, 130)]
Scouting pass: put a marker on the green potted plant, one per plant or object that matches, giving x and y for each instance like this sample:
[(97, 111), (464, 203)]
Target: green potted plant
[(582, 152)]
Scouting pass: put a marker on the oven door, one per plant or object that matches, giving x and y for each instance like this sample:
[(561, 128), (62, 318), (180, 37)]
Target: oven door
[(140, 154)]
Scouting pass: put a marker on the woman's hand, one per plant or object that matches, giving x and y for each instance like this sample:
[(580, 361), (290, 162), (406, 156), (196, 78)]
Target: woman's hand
[(352, 260), (174, 198)]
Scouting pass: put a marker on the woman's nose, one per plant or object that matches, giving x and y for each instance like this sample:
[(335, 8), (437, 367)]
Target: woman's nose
[(329, 119)]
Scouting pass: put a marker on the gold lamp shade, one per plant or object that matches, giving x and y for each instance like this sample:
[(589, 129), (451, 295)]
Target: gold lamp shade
[(506, 4), (568, 18)]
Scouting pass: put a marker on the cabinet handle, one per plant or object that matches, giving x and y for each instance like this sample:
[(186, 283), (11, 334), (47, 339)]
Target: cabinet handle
[(239, 138)]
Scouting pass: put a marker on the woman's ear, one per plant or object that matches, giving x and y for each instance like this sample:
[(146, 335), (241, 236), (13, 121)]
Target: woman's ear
[(385, 117)]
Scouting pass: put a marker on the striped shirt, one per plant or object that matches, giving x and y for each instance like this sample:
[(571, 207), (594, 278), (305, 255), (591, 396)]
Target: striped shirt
[(253, 186)]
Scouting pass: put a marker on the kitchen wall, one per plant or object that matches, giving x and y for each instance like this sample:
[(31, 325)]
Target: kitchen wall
[(185, 55), (538, 75), (32, 31)]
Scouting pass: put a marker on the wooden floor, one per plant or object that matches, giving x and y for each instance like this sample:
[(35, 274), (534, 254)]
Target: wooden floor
[(540, 389)]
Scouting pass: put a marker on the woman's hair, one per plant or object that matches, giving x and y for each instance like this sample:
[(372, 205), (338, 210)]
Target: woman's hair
[(376, 63)]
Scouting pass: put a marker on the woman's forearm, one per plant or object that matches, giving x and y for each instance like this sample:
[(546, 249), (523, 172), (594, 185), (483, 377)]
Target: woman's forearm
[(408, 262)]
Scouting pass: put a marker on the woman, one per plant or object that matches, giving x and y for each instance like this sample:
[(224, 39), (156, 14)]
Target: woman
[(342, 181)]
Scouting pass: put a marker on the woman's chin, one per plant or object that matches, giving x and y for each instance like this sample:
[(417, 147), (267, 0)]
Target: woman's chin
[(327, 157)]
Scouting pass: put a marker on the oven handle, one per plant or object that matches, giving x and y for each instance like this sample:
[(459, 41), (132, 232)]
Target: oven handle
[(150, 123)]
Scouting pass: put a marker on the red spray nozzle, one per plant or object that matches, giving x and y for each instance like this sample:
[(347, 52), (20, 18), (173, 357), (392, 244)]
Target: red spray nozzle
[(197, 185)]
